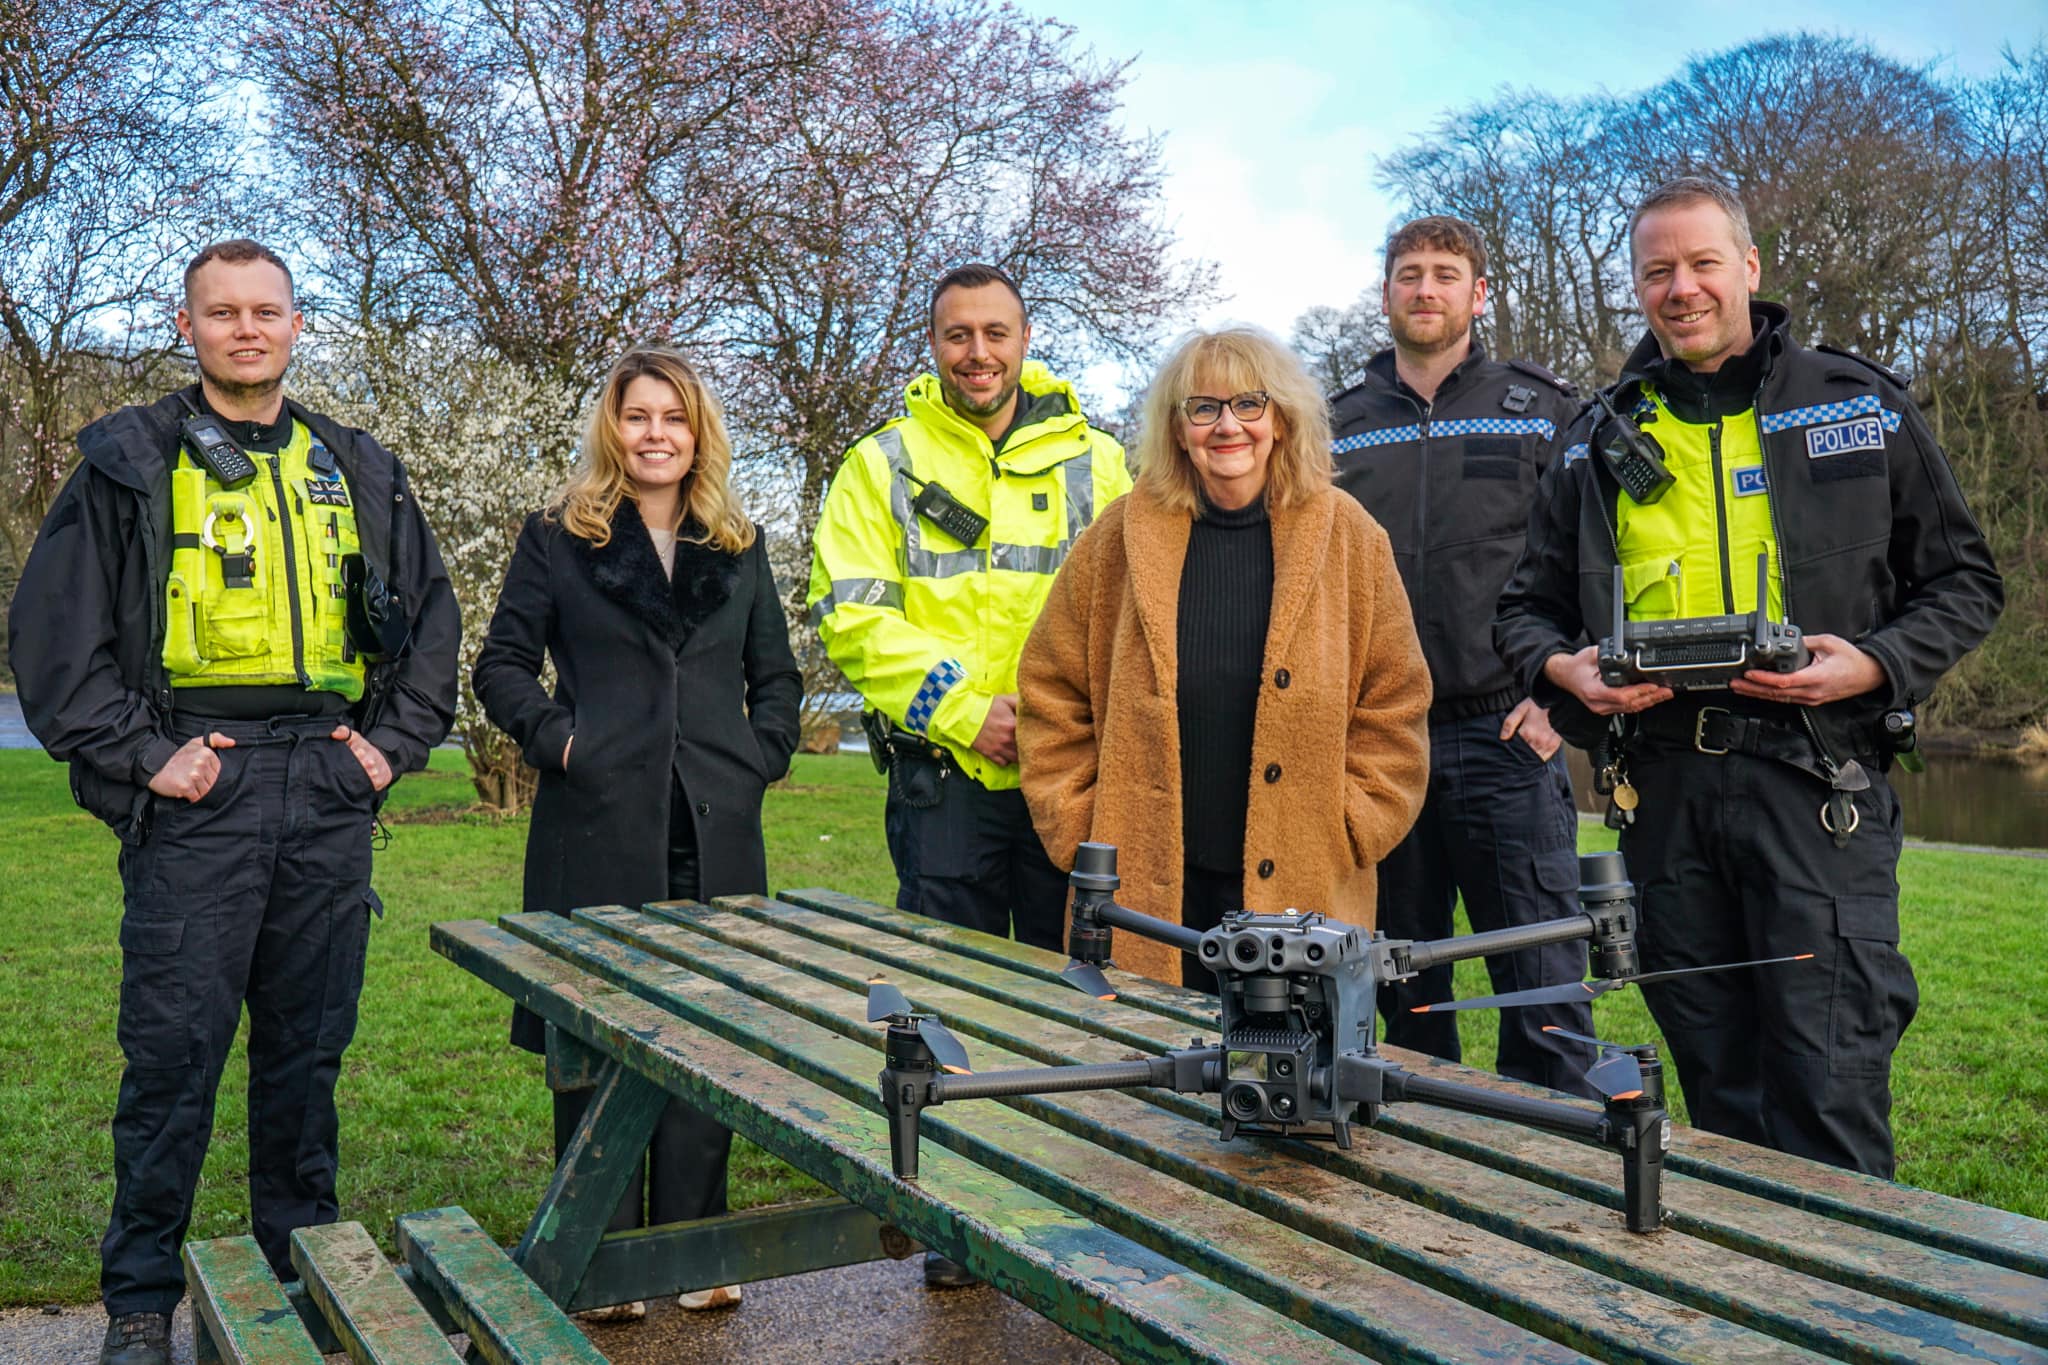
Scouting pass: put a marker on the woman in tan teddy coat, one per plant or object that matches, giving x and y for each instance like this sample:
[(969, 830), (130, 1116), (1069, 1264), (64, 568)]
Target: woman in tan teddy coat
[(1225, 682)]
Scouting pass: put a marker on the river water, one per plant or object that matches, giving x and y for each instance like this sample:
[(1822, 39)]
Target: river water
[(1960, 799)]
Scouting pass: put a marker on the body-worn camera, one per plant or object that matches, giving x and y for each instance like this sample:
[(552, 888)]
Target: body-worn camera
[(1637, 461), (1698, 652)]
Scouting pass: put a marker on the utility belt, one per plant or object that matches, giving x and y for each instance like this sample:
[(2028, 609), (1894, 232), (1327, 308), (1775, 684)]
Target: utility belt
[(1715, 731), (1465, 708), (918, 766)]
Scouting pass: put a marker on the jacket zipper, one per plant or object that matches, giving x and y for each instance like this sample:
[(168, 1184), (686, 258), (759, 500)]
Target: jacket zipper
[(1721, 518), (1422, 509), (291, 574)]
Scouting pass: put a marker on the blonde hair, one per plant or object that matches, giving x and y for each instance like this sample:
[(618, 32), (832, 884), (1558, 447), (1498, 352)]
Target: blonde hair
[(584, 505), (1236, 359)]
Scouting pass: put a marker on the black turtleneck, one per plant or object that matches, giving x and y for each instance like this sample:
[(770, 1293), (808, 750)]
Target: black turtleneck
[(1226, 602), (1699, 398), (263, 437)]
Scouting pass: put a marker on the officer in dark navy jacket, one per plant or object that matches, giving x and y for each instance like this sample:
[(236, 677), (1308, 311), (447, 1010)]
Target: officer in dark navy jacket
[(1444, 447), (1760, 821)]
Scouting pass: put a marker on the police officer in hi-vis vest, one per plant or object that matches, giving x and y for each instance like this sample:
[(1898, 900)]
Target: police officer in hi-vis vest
[(234, 626), (1762, 824)]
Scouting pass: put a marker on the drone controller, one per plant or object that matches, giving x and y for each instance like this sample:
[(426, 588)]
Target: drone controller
[(1700, 652)]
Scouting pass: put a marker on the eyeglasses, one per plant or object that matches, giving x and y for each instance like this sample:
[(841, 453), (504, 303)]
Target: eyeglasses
[(1245, 407)]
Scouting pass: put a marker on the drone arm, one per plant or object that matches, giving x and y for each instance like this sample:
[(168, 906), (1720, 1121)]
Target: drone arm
[(1138, 922), (1185, 1070), (1427, 953)]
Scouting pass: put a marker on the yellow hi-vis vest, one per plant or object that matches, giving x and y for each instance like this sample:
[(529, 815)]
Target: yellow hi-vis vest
[(926, 629), (1693, 551), (255, 594)]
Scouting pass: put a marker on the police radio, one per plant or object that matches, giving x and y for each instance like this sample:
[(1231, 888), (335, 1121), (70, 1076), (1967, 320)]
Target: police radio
[(1635, 457), (208, 440), (947, 512), (1700, 651)]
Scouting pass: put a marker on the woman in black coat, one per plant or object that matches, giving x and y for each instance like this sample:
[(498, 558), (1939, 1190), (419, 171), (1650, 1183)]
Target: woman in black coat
[(675, 702)]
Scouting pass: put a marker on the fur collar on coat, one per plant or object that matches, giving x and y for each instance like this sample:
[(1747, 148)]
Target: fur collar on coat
[(628, 571)]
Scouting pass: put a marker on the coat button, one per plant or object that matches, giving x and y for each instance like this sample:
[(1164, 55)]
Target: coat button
[(1265, 867), (1281, 677), (703, 808), (1272, 772)]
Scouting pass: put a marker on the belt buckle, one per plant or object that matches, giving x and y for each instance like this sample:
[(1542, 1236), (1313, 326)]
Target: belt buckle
[(1699, 728)]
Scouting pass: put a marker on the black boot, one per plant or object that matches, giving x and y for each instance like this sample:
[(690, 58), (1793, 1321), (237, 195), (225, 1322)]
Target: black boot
[(137, 1339)]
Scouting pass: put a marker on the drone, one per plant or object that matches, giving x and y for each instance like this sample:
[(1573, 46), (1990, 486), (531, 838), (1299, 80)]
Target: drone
[(1296, 1055)]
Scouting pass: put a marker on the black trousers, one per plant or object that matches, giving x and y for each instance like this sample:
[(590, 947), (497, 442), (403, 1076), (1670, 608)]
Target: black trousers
[(257, 894), (682, 1175), (969, 856), (1731, 863), (1498, 827)]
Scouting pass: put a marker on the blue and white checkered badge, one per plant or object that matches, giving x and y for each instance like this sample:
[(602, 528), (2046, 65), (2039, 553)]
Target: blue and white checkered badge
[(1837, 438)]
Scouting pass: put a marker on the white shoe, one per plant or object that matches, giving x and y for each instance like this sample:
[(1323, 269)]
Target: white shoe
[(702, 1300), (614, 1313)]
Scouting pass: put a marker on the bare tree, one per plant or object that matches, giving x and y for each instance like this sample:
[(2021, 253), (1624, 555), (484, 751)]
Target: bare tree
[(110, 176)]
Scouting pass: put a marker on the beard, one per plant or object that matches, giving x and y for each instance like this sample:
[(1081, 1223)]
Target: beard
[(1451, 331), (958, 401), (241, 392)]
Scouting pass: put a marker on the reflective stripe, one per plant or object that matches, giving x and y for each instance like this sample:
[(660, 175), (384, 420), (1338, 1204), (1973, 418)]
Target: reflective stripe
[(945, 674), (1028, 558), (1863, 405), (1080, 477), (865, 592), (1461, 426), (940, 563)]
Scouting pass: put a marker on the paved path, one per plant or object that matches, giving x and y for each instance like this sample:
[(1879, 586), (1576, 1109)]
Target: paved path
[(856, 1315)]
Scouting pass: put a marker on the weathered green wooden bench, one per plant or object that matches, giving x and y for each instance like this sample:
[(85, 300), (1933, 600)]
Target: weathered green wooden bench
[(349, 1298), (1438, 1236)]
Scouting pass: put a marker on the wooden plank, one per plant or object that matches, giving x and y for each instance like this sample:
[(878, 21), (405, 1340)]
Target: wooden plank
[(508, 1319), (734, 1248), (1957, 1225), (1702, 1276), (239, 1311), (589, 1181), (1129, 1301), (1141, 992), (571, 1065), (376, 1318)]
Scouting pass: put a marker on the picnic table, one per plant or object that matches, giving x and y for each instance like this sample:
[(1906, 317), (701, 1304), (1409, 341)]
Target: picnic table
[(1123, 1217)]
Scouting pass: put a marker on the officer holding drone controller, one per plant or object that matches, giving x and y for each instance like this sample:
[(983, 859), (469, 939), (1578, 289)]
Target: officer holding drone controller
[(1745, 766)]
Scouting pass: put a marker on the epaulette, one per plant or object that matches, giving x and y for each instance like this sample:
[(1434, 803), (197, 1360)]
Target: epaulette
[(1865, 362), (882, 425), (1530, 367)]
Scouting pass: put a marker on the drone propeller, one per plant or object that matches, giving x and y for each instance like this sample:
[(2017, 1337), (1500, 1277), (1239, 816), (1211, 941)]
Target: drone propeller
[(1617, 1075), (886, 1002), (1575, 991), (1088, 977)]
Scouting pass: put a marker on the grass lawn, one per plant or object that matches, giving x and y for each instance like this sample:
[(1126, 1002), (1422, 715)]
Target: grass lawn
[(438, 1109)]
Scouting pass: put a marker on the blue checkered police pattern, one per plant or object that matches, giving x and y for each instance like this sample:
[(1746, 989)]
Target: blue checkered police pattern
[(1574, 453), (1462, 426), (1863, 405), (937, 683)]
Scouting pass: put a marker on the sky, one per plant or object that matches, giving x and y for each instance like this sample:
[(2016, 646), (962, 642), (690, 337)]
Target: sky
[(1273, 113)]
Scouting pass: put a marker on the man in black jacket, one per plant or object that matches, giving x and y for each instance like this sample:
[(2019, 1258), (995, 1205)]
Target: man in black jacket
[(234, 626), (1444, 447), (1762, 822)]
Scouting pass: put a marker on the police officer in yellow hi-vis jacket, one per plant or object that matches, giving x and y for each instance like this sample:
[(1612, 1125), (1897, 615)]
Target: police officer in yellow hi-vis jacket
[(1758, 819), (234, 626), (939, 541)]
